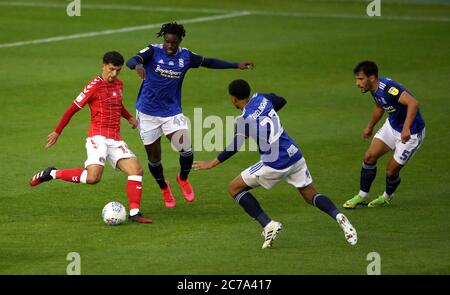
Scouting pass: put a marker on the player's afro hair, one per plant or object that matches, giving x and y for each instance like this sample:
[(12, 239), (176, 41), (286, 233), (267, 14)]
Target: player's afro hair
[(369, 68), (239, 88), (172, 28), (113, 57)]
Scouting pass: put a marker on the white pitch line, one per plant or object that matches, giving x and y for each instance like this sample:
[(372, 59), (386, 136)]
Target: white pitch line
[(122, 30), (206, 10)]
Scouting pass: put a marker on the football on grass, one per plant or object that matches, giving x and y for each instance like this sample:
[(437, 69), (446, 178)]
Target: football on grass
[(114, 213)]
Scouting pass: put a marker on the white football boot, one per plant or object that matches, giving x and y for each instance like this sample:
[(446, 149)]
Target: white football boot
[(270, 233), (347, 227)]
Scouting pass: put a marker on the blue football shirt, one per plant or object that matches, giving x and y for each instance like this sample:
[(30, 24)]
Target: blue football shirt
[(387, 96), (160, 92), (260, 121)]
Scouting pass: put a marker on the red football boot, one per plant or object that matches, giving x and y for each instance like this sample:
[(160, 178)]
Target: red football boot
[(167, 195), (140, 218), (42, 176), (186, 188)]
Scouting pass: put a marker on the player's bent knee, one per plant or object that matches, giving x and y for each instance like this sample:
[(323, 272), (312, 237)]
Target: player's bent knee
[(232, 189), (370, 158), (93, 179), (138, 171)]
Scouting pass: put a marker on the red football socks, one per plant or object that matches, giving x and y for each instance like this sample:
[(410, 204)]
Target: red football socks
[(70, 175), (134, 191)]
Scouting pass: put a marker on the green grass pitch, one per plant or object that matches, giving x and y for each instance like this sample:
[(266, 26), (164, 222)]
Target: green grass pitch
[(304, 51)]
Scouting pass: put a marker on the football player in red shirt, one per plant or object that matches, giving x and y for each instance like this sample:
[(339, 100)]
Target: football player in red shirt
[(103, 142)]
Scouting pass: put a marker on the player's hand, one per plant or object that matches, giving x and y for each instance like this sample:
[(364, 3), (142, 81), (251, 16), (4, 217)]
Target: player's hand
[(133, 122), (406, 135), (201, 165), (246, 65), (140, 71), (367, 132), (51, 139)]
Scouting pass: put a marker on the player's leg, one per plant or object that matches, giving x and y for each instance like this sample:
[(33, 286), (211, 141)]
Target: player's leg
[(156, 169), (154, 162), (298, 175), (150, 131), (392, 182), (392, 177), (239, 190), (96, 151), (94, 173), (132, 168), (176, 130), (382, 143), (403, 153), (75, 175), (181, 142), (322, 202)]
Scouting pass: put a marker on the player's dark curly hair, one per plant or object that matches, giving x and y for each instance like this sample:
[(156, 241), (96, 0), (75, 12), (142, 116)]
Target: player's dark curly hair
[(369, 68), (239, 88), (172, 28), (113, 57)]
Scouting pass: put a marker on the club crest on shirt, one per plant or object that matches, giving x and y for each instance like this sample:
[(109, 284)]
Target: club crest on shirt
[(393, 91)]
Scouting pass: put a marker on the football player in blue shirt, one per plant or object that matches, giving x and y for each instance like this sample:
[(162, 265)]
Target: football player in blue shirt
[(403, 132), (281, 159), (162, 68)]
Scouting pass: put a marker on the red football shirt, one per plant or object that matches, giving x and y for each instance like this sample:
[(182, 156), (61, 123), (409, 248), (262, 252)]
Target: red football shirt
[(105, 102)]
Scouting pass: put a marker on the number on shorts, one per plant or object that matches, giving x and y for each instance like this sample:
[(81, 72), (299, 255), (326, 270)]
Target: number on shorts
[(124, 149), (405, 155), (179, 120)]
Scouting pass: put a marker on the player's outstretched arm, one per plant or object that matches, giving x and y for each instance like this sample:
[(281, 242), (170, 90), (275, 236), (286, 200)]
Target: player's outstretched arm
[(203, 165), (223, 156), (244, 65), (51, 139), (214, 63)]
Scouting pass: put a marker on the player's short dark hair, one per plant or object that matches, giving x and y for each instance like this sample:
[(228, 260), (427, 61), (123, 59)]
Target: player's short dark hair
[(369, 68), (239, 88), (172, 28), (113, 57)]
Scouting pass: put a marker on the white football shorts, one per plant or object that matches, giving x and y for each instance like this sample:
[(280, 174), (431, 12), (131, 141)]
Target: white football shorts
[(265, 176), (151, 127), (403, 152), (100, 148)]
